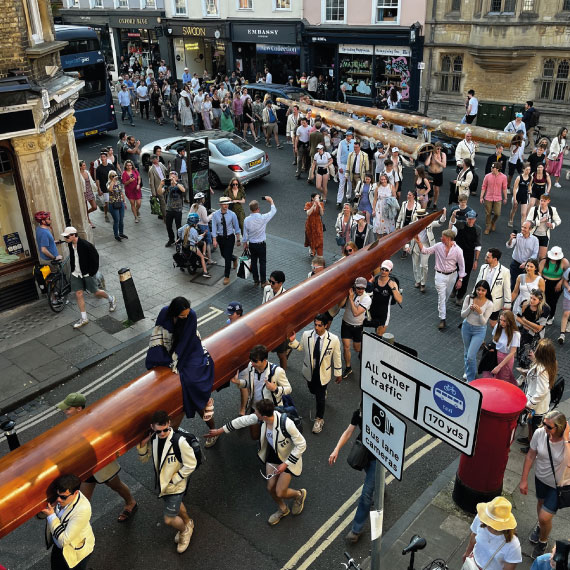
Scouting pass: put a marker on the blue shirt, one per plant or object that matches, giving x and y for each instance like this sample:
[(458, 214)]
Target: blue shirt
[(124, 98), (186, 78), (344, 149), (254, 225), (232, 224), (45, 239)]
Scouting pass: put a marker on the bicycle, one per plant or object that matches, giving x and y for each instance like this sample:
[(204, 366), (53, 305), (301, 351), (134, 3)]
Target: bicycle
[(538, 136), (58, 286), (419, 543)]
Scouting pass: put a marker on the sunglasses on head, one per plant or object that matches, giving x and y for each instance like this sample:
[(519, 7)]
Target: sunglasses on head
[(165, 430)]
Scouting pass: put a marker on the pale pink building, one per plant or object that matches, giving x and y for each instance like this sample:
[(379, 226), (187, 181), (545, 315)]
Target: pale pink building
[(366, 45)]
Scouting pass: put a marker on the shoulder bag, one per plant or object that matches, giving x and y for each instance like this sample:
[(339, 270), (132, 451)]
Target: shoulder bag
[(470, 563), (563, 492), (488, 358), (359, 456)]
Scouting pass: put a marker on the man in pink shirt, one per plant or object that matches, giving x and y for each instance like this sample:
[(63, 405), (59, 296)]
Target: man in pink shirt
[(448, 260), (493, 191)]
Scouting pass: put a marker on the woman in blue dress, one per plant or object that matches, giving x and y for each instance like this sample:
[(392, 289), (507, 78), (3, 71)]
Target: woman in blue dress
[(365, 194)]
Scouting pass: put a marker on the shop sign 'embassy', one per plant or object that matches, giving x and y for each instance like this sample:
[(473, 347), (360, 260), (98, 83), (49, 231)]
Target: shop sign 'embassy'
[(262, 32)]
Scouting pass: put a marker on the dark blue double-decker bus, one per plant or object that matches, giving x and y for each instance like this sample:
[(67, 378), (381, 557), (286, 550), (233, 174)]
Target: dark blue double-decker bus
[(94, 110)]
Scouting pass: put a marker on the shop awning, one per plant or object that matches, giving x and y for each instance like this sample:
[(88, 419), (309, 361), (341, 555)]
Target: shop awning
[(62, 87)]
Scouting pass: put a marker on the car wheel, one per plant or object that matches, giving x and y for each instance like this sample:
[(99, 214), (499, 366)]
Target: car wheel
[(214, 179)]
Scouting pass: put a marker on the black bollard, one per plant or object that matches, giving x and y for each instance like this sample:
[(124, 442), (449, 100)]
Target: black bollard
[(8, 425), (130, 295)]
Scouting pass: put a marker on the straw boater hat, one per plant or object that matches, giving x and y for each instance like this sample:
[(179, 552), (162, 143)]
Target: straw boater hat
[(224, 200), (421, 212), (497, 514)]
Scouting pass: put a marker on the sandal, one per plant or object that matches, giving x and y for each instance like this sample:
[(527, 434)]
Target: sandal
[(126, 514), (208, 411)]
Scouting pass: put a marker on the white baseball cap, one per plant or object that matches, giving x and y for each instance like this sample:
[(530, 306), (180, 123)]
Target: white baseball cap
[(68, 231), (395, 149)]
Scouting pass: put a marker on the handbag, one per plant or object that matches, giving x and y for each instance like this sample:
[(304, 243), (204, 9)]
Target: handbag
[(117, 205), (489, 358), (562, 491), (340, 241), (359, 456), (155, 206), (244, 267)]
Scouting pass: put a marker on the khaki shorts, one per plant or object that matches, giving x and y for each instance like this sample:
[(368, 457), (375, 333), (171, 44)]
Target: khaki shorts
[(270, 128), (84, 284)]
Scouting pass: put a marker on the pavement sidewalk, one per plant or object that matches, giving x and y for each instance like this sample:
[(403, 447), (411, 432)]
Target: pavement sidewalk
[(445, 526)]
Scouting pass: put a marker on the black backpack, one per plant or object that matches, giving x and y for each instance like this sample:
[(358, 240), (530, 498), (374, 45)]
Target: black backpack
[(534, 118), (192, 440), (124, 153), (283, 421)]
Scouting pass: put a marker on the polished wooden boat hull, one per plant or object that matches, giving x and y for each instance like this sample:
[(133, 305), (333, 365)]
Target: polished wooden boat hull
[(111, 426), (455, 130), (408, 145)]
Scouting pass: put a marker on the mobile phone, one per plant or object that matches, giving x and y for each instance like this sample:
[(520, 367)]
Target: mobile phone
[(263, 198)]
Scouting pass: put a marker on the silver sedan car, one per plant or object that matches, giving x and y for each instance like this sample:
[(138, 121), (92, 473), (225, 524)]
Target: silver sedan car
[(230, 156)]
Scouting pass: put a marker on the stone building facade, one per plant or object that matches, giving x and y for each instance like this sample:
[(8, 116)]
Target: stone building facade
[(38, 157), (508, 51)]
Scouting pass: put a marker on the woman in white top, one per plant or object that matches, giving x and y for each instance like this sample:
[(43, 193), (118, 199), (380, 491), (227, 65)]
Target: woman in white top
[(554, 435), (206, 110), (321, 162), (540, 379), (516, 159), (507, 338), (384, 221), (185, 111), (379, 158), (493, 544), (89, 188), (524, 285), (558, 148), (476, 310)]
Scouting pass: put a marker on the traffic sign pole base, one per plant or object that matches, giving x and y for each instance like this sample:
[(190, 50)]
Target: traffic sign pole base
[(467, 498)]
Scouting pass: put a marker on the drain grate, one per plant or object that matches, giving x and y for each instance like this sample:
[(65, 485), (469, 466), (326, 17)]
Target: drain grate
[(109, 324)]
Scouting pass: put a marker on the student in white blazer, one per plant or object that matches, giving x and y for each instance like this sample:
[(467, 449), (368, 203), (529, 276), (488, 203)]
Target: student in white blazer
[(281, 448), (171, 474), (322, 361), (68, 527), (263, 381), (499, 278)]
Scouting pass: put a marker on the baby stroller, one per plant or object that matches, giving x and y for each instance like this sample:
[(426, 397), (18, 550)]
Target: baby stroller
[(185, 256)]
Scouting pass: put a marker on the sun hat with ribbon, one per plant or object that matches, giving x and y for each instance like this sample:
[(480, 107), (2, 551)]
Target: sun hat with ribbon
[(497, 514)]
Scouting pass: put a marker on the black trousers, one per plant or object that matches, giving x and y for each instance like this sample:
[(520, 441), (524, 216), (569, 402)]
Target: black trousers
[(465, 281), (320, 393), (227, 250), (258, 252), (551, 296), (144, 106), (58, 561), (175, 217)]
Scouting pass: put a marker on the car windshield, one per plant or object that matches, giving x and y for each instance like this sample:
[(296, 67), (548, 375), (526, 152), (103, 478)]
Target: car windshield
[(231, 146), (296, 95)]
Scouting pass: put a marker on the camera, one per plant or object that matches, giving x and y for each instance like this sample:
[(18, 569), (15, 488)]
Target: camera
[(380, 420)]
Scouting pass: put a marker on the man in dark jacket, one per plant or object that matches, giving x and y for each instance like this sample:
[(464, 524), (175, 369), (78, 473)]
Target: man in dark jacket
[(499, 156), (84, 264)]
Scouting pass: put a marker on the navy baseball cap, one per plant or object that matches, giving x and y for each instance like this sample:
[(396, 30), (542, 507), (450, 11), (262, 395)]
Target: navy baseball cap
[(233, 307)]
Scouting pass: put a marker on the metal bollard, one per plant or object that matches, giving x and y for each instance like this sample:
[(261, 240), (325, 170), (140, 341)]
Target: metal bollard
[(8, 425), (130, 295)]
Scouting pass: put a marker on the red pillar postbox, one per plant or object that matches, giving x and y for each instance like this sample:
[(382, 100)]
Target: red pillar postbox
[(480, 477)]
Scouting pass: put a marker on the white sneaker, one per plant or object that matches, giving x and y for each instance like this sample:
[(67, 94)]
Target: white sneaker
[(557, 185), (318, 425), (184, 538), (550, 321), (112, 303), (81, 322)]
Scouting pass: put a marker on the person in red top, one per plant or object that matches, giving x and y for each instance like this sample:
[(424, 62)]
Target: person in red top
[(493, 191), (132, 182)]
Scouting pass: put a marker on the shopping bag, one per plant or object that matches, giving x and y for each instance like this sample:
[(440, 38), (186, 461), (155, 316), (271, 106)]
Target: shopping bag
[(100, 203), (244, 266), (155, 206)]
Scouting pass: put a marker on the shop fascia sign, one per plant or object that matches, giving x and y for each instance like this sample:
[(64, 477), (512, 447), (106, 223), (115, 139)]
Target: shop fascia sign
[(193, 31), (355, 49), (134, 21), (397, 51)]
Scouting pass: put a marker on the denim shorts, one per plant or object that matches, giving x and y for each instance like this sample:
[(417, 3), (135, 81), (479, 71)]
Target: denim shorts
[(547, 494), (172, 504)]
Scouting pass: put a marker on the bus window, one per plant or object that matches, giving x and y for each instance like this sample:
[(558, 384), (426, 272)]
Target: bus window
[(95, 77)]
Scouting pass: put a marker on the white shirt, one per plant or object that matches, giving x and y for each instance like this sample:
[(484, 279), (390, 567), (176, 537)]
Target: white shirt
[(322, 160), (348, 317), (503, 342), (474, 105), (542, 468), (195, 84), (491, 275), (268, 78), (142, 92), (269, 436), (487, 544), (77, 270)]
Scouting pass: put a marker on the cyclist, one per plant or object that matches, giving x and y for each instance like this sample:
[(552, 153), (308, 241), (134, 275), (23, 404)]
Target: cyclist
[(44, 237), (84, 264)]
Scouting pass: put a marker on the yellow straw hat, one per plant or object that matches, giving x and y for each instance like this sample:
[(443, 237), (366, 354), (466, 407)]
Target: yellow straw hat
[(497, 514)]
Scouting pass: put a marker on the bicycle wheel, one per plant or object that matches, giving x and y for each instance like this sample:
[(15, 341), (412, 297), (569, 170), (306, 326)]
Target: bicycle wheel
[(55, 296)]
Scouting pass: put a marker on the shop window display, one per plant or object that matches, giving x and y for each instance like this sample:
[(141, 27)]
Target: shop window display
[(356, 73), (14, 245), (393, 69)]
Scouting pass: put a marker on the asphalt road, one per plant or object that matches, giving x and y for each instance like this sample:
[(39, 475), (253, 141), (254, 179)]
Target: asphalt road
[(227, 497)]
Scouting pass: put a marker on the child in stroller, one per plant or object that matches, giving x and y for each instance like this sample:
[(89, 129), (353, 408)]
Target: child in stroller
[(190, 247)]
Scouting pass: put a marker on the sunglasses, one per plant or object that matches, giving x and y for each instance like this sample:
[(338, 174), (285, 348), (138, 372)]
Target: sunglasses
[(273, 282), (269, 476), (349, 250), (235, 184), (64, 497), (384, 269), (166, 430), (360, 288), (546, 426)]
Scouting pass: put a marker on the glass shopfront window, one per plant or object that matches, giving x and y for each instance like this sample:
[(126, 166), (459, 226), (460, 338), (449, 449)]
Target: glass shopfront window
[(14, 244), (199, 54), (140, 44), (392, 65), (355, 69)]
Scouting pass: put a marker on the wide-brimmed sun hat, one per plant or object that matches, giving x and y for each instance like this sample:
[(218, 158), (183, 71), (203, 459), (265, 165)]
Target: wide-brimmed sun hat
[(555, 253), (497, 514)]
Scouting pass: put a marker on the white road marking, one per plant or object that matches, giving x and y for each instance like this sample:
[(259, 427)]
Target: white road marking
[(295, 559), (105, 379)]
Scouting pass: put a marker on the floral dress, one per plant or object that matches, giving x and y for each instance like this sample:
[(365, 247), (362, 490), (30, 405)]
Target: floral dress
[(383, 224)]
